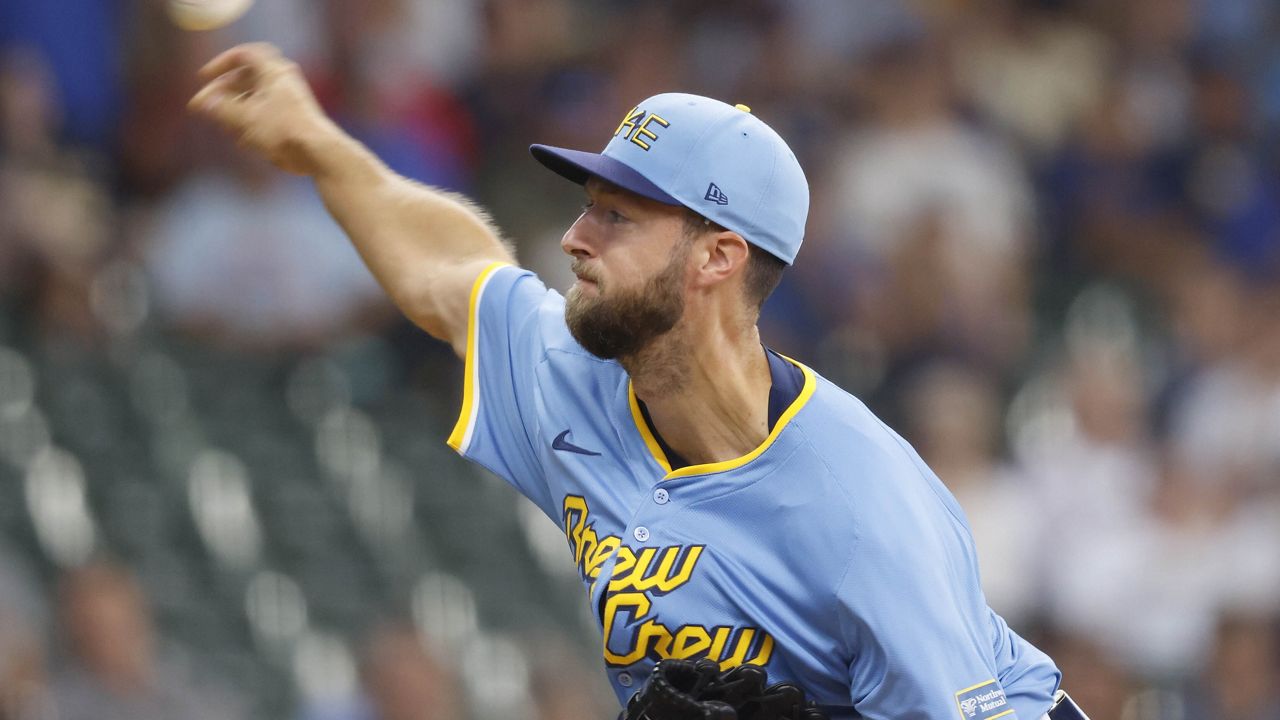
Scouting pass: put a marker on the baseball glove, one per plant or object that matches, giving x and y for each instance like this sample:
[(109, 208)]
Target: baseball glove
[(698, 690)]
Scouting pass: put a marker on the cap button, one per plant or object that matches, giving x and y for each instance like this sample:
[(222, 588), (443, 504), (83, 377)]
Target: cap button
[(743, 108)]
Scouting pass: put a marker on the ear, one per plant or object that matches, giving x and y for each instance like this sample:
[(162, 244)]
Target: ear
[(724, 256)]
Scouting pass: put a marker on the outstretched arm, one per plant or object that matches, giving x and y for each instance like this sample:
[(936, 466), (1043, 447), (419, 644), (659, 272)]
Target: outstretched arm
[(426, 247)]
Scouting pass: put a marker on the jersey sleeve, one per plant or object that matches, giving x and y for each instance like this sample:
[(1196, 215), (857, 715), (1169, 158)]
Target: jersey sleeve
[(1030, 678), (919, 637), (512, 317)]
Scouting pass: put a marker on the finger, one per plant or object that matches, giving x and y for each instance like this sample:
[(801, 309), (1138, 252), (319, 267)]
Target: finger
[(255, 57), (236, 81), (228, 111), (220, 89)]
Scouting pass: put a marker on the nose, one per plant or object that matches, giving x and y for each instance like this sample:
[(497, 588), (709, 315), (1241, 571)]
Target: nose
[(577, 240)]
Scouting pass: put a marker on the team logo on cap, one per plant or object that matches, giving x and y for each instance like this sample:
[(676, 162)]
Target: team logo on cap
[(639, 127), (716, 195)]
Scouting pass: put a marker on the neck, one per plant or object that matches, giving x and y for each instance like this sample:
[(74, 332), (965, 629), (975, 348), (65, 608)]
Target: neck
[(706, 390)]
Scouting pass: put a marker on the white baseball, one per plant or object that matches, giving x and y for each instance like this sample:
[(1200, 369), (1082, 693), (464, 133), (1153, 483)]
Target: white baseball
[(206, 14)]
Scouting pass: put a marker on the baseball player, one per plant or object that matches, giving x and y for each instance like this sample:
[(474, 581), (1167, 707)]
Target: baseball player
[(720, 501)]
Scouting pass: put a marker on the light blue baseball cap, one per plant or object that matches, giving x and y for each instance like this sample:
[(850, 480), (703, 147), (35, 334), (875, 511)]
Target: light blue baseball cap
[(716, 159)]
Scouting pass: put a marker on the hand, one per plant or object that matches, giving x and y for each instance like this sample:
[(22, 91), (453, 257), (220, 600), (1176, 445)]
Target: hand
[(262, 99)]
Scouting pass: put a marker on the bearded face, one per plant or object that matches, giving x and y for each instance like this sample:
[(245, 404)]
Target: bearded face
[(620, 323)]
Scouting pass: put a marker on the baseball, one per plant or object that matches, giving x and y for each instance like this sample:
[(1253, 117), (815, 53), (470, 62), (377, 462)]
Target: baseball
[(206, 14)]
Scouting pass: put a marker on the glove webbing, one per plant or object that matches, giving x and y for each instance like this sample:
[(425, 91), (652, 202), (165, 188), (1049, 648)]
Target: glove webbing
[(685, 690)]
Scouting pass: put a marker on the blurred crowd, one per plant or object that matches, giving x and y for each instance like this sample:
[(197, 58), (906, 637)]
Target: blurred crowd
[(1044, 244)]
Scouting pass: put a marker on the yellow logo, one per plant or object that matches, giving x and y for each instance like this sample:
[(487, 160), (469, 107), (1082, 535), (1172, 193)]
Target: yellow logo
[(638, 576), (637, 128)]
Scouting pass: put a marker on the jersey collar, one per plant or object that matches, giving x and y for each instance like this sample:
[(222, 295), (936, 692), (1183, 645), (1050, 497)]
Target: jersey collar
[(655, 450)]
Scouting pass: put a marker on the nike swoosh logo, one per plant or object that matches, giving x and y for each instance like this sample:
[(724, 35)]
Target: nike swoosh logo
[(561, 444)]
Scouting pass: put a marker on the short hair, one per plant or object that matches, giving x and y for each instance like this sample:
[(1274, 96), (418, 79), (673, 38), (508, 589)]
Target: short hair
[(764, 269)]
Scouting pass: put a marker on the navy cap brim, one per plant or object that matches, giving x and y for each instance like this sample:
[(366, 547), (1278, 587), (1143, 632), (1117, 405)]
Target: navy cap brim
[(579, 166)]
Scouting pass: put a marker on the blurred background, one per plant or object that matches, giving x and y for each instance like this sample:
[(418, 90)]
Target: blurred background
[(1044, 245)]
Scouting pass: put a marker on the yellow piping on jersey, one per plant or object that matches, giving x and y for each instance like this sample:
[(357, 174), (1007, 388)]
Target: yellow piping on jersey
[(649, 440), (460, 438), (806, 392), (975, 687)]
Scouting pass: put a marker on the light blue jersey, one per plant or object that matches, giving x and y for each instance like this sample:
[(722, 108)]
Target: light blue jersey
[(830, 555)]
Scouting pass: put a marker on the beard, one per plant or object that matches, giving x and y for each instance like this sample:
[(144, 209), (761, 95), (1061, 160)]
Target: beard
[(623, 325)]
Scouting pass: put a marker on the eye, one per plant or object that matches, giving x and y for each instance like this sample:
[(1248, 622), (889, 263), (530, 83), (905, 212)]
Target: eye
[(611, 215)]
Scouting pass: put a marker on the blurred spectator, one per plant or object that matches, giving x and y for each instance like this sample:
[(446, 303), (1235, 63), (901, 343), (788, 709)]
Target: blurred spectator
[(404, 681), (392, 104), (941, 209), (1229, 182), (80, 41), (953, 419), (158, 141), (22, 674), (1151, 73), (23, 681), (562, 686), (1087, 450), (1242, 681), (831, 34), (1226, 421), (1110, 198), (56, 222), (247, 257), (1242, 24), (400, 680), (1101, 687), (1033, 68), (115, 671), (1207, 301)]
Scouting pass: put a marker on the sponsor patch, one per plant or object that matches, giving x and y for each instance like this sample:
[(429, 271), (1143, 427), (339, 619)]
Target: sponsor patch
[(984, 701)]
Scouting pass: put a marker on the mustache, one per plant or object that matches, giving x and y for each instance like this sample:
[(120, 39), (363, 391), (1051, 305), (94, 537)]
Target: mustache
[(579, 268)]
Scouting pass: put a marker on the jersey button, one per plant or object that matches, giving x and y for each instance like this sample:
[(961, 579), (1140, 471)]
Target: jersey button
[(624, 679), (661, 496), (641, 533)]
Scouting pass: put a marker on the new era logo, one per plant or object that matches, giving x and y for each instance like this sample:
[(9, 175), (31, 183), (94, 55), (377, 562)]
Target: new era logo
[(716, 195)]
